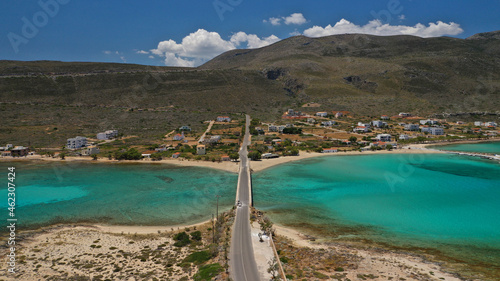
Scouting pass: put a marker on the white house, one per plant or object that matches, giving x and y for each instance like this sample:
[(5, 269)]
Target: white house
[(428, 122), (490, 124), (384, 117), (383, 137), (411, 127), (436, 131), (91, 150), (360, 129), (179, 137), (311, 120), (404, 137), (273, 128), (478, 123), (329, 150), (75, 143), (223, 119), (322, 114), (404, 114), (367, 125), (185, 128), (109, 134), (338, 114), (214, 139), (425, 129), (328, 123), (379, 124)]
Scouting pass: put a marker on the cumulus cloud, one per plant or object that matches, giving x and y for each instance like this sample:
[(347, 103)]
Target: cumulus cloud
[(202, 45), (142, 52), (295, 18), (273, 21), (375, 27)]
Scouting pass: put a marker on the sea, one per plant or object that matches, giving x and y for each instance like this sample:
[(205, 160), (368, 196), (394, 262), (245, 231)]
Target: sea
[(492, 147), (119, 194), (446, 206)]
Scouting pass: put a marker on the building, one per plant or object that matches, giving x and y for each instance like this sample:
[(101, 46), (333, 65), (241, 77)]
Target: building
[(225, 158), (269, 155), (179, 137), (383, 137), (490, 124), (311, 120), (109, 134), (428, 122), (379, 124), (404, 137), (478, 123), (213, 139), (338, 114), (360, 129), (185, 128), (272, 128), (404, 114), (200, 149), (436, 131), (176, 155), (384, 117), (223, 119), (322, 114), (411, 127), (367, 125), (75, 143), (147, 153), (329, 150), (91, 150), (19, 151), (328, 123)]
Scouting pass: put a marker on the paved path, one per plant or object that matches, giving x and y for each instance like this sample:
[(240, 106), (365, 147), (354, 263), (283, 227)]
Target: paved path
[(242, 265)]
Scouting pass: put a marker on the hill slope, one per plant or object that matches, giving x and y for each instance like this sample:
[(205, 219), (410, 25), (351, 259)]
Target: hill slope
[(373, 74)]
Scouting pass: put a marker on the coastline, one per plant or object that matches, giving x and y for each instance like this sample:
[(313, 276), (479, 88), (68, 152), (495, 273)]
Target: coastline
[(228, 166)]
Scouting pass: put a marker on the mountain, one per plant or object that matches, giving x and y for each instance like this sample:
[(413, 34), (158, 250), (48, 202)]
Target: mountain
[(375, 74), (367, 75)]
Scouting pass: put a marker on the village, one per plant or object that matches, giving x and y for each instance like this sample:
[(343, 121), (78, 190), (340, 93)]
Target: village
[(323, 132)]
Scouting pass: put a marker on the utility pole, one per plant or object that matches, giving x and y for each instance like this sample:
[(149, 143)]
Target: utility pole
[(217, 196), (213, 229)]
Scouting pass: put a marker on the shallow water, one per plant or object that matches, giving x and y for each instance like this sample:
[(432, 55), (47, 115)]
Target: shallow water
[(129, 194), (440, 203), (480, 147)]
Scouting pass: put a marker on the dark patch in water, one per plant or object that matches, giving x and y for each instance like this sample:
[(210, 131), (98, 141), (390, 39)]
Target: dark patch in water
[(462, 170), (165, 179)]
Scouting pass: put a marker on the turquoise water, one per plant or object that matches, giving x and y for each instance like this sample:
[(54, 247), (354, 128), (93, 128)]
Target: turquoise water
[(446, 203), (481, 147), (130, 194)]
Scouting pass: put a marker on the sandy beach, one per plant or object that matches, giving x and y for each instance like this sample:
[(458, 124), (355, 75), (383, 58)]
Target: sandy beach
[(228, 166)]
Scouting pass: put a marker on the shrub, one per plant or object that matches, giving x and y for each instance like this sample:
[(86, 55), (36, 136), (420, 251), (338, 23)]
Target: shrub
[(207, 272), (198, 257), (182, 239)]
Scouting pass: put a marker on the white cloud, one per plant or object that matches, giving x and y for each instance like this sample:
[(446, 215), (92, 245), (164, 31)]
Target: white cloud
[(202, 45), (107, 52), (142, 52), (295, 18), (253, 41), (402, 17), (273, 21), (375, 27)]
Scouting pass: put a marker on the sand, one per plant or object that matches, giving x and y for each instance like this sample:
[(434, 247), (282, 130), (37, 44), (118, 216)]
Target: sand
[(372, 262)]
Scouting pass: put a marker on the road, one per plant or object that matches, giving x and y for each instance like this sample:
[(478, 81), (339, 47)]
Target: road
[(242, 264)]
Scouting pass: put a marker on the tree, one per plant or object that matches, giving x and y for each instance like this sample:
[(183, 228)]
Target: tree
[(294, 151), (94, 156), (353, 139), (388, 147), (254, 155), (234, 156), (156, 156), (62, 155)]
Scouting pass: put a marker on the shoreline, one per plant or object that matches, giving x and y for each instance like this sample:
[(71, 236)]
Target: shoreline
[(256, 166)]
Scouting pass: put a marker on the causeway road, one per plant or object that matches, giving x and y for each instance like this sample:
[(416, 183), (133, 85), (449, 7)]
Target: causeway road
[(242, 265)]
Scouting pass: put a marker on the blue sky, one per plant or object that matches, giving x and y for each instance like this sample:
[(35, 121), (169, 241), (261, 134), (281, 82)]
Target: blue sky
[(188, 33)]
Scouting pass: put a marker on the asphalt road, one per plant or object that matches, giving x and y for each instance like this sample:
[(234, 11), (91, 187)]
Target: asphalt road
[(242, 266)]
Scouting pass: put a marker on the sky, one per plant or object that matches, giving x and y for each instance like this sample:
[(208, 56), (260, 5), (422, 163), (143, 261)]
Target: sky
[(189, 32)]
